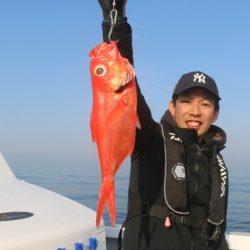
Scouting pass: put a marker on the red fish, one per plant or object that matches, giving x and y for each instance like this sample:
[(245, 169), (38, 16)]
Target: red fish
[(113, 117)]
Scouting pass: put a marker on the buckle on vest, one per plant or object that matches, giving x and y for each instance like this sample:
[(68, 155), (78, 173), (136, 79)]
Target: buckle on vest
[(182, 219), (211, 232)]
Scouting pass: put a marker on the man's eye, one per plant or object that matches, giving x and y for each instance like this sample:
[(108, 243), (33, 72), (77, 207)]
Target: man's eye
[(184, 101), (206, 104), (100, 70)]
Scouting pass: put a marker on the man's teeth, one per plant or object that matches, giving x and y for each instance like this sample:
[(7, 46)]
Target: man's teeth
[(193, 124)]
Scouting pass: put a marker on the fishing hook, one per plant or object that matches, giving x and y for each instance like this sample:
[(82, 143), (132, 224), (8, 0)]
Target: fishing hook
[(113, 18)]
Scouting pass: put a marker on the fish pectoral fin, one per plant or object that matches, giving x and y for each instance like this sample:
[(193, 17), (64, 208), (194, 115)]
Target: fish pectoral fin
[(138, 124), (125, 101)]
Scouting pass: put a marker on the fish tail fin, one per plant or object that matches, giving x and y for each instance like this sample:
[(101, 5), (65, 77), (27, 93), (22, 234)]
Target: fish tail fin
[(101, 203), (111, 203), (107, 196)]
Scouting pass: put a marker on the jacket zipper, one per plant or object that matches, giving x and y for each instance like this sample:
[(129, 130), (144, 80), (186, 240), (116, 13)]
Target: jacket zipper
[(196, 170)]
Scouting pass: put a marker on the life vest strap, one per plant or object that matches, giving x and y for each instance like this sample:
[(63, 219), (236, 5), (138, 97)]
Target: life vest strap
[(208, 230)]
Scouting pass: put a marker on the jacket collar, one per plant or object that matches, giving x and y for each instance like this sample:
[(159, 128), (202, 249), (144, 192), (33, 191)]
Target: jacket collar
[(214, 136)]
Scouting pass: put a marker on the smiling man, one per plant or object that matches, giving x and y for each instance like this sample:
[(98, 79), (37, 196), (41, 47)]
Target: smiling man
[(178, 189), (195, 102)]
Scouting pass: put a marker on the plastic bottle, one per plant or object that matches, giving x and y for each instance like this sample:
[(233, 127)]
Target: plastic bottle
[(79, 246), (92, 243)]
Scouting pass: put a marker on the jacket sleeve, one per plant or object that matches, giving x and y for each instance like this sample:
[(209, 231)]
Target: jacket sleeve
[(122, 33)]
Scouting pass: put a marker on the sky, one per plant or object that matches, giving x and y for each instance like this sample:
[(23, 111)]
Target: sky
[(45, 87)]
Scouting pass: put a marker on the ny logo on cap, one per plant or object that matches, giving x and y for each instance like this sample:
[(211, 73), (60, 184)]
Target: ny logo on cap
[(201, 78)]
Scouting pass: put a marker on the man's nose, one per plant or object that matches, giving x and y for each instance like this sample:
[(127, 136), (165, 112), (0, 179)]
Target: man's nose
[(195, 109)]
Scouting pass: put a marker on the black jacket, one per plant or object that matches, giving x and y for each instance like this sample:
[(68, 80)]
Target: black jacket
[(148, 186)]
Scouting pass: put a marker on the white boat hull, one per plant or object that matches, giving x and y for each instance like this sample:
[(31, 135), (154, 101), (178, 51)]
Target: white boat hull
[(56, 221)]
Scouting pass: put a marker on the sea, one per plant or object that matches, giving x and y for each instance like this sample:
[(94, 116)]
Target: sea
[(82, 184)]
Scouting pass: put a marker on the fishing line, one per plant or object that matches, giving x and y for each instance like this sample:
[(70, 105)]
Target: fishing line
[(113, 18)]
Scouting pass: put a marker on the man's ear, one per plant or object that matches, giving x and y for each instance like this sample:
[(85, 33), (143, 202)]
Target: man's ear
[(216, 114), (171, 107)]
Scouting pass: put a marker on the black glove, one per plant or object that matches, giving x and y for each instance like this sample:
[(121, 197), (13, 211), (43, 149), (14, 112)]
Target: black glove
[(107, 6)]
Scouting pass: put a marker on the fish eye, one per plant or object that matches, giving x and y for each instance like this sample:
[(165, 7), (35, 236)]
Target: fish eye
[(100, 70)]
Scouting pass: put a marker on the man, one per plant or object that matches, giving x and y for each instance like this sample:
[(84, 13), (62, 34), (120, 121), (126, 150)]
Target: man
[(178, 182)]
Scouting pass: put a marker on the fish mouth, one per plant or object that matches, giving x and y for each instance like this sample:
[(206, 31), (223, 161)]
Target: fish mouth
[(124, 79), (130, 74)]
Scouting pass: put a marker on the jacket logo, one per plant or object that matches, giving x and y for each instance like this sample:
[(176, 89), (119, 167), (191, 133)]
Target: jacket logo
[(178, 171), (174, 137), (223, 175), (201, 78)]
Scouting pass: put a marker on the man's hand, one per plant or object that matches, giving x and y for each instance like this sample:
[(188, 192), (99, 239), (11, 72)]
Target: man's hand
[(107, 6)]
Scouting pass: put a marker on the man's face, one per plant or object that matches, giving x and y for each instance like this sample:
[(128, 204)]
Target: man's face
[(194, 109)]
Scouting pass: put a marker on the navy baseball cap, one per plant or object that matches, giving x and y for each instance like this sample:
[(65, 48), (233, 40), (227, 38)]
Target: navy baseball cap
[(196, 79)]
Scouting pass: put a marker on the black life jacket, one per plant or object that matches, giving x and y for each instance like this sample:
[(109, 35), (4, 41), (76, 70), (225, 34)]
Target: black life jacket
[(176, 184)]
